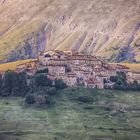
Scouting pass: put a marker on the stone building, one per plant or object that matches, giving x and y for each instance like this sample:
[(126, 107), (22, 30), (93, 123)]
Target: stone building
[(78, 69), (75, 69), (133, 76)]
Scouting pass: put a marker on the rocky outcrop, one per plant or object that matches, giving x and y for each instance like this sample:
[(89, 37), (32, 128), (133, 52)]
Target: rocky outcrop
[(108, 28)]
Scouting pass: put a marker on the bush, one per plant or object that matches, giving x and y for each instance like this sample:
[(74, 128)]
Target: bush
[(42, 80), (52, 91), (1, 83), (49, 101), (59, 84), (85, 99), (41, 91), (14, 84), (30, 99), (113, 78)]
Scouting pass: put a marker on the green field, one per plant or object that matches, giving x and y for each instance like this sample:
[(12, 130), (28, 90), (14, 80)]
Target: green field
[(112, 115)]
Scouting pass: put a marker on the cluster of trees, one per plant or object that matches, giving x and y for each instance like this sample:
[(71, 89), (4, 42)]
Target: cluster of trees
[(121, 82), (13, 84), (36, 89), (43, 89)]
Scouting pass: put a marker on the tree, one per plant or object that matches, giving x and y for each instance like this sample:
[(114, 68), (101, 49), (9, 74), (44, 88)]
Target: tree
[(23, 86), (59, 84), (7, 84), (52, 91), (135, 85), (42, 80), (113, 78), (1, 83), (30, 99), (49, 101), (121, 76), (14, 84), (120, 81)]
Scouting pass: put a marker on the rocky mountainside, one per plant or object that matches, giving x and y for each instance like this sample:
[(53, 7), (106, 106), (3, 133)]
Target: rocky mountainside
[(107, 28)]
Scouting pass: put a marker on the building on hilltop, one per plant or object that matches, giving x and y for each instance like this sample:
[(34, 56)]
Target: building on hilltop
[(77, 69), (133, 76), (74, 69)]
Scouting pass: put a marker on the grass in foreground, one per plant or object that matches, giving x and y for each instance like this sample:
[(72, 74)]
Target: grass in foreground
[(111, 115)]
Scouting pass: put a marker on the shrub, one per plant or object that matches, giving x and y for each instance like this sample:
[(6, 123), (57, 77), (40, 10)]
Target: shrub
[(59, 84), (49, 101), (113, 78), (30, 99), (52, 91), (1, 83), (14, 84), (41, 90), (42, 80)]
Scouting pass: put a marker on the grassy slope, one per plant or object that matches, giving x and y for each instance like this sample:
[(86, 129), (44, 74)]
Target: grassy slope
[(133, 67), (12, 65), (69, 120), (16, 37), (106, 24)]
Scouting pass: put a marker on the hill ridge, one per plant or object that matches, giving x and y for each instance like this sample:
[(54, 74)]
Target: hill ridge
[(108, 28)]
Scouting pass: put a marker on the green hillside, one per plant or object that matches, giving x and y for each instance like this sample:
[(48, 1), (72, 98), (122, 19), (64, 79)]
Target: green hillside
[(110, 115)]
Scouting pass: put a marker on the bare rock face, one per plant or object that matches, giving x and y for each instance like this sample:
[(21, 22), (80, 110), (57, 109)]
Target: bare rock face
[(107, 28)]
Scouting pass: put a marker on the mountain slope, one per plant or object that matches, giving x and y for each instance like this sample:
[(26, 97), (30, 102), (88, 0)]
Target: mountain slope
[(107, 28)]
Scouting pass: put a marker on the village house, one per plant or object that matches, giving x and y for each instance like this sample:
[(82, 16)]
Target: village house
[(71, 79), (56, 70), (133, 76)]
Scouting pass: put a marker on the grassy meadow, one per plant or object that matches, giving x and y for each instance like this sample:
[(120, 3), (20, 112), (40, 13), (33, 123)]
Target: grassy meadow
[(108, 115)]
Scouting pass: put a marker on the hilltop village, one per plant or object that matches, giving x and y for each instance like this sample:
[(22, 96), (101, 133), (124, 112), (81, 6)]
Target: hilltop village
[(74, 69)]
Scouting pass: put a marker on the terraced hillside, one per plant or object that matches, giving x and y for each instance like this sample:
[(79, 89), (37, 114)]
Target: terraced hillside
[(110, 115), (106, 28)]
